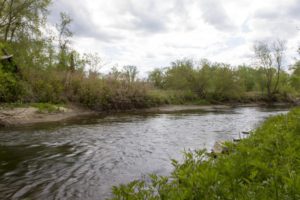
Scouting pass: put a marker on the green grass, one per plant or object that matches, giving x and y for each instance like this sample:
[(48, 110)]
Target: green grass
[(160, 97), (47, 107), (264, 166)]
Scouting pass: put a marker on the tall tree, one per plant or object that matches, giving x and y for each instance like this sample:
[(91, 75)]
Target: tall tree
[(278, 48), (64, 39), (130, 73), (295, 78), (19, 18), (94, 63), (270, 57)]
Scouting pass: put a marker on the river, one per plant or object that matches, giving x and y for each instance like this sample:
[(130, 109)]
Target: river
[(84, 158)]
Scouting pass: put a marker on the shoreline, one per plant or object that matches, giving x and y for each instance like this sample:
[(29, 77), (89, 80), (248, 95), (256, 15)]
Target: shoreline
[(14, 117), (22, 116)]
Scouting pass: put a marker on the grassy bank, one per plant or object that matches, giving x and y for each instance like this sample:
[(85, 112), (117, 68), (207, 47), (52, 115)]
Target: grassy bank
[(264, 166)]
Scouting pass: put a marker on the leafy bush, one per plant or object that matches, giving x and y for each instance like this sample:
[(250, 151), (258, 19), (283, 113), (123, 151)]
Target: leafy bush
[(264, 166), (45, 86), (10, 87), (158, 97)]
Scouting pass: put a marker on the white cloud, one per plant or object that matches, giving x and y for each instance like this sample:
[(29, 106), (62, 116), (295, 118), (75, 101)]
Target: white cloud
[(153, 33)]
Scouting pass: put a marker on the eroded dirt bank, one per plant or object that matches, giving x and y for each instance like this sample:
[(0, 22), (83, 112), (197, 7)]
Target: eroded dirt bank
[(32, 115)]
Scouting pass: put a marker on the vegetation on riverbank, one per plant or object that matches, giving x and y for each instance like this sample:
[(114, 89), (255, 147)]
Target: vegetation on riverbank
[(42, 107), (263, 166), (49, 70)]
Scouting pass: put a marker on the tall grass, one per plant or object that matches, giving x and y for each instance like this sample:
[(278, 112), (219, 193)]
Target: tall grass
[(264, 166)]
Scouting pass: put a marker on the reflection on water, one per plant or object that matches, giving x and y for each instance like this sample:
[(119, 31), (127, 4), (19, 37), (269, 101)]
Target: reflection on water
[(83, 160)]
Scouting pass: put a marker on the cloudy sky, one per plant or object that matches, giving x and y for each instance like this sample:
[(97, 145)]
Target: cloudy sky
[(152, 33)]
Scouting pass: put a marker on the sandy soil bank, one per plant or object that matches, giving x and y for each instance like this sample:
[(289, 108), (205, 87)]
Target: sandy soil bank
[(31, 115)]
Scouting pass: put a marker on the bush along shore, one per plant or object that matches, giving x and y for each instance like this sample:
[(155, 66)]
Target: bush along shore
[(262, 166)]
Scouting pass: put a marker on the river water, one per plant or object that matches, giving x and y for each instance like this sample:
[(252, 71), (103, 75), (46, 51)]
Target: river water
[(83, 159)]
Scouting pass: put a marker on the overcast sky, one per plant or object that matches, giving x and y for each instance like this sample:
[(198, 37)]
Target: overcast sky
[(152, 33)]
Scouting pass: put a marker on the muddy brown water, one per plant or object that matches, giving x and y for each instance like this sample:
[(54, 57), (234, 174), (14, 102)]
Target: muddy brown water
[(84, 158)]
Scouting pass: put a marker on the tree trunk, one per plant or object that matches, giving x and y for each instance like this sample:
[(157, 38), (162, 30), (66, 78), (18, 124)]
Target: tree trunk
[(9, 20), (278, 78)]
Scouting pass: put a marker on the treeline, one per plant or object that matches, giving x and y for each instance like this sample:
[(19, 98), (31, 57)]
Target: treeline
[(37, 65), (219, 82)]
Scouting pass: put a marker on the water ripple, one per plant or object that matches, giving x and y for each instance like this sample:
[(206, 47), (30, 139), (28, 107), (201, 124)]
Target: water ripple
[(84, 161)]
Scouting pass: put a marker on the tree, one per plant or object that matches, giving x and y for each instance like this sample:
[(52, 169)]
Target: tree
[(130, 73), (94, 63), (279, 48), (64, 35), (270, 58), (156, 77), (180, 75), (202, 79), (114, 74), (19, 18), (21, 23), (295, 78), (225, 83), (247, 76)]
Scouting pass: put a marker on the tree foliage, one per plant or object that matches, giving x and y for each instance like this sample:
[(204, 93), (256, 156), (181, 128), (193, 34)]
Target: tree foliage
[(22, 19), (270, 57)]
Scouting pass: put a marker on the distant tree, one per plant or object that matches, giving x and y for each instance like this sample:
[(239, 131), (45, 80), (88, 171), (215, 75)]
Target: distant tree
[(295, 78), (114, 73), (270, 57), (226, 85), (278, 47), (64, 36), (130, 73), (94, 62), (156, 77), (202, 79), (180, 75), (247, 76)]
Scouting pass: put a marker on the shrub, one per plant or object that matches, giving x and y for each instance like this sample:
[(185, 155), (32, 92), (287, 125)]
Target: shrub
[(46, 86), (10, 87)]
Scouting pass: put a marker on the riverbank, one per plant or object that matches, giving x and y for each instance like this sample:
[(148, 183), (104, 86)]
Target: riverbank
[(263, 166), (32, 114), (28, 115)]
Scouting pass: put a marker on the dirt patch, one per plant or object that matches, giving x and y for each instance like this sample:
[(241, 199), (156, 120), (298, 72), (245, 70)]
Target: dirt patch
[(31, 115)]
